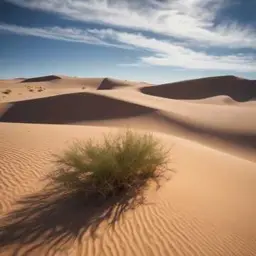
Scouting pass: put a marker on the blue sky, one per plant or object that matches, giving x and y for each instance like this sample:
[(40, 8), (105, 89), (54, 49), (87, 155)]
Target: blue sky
[(149, 40)]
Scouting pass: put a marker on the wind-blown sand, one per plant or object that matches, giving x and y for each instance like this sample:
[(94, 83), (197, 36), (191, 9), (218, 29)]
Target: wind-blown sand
[(207, 207)]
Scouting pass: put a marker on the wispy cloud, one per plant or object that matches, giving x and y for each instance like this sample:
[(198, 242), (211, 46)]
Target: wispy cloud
[(166, 53), (155, 51), (58, 33), (193, 20)]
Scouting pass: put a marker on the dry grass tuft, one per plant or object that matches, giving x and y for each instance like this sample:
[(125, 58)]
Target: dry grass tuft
[(122, 163)]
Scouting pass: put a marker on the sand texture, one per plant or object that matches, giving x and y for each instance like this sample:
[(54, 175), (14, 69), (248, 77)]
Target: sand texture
[(206, 206)]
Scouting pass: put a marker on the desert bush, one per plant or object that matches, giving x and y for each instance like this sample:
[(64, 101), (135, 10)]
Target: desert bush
[(7, 91), (122, 162), (40, 89)]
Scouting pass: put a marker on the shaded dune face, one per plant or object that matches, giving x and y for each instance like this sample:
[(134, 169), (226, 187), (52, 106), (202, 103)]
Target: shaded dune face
[(236, 88), (72, 108), (89, 108), (41, 79), (108, 84)]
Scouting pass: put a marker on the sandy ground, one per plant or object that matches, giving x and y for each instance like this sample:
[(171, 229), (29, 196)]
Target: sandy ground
[(206, 207)]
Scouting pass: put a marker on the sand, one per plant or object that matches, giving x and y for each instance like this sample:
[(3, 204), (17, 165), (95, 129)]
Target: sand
[(206, 207)]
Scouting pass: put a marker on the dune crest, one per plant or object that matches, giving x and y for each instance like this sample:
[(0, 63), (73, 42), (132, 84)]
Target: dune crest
[(41, 79), (72, 108), (108, 83), (92, 108), (236, 88)]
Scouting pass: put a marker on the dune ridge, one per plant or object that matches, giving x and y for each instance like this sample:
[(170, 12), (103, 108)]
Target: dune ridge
[(101, 83), (238, 89), (53, 110), (108, 84), (41, 79), (114, 111)]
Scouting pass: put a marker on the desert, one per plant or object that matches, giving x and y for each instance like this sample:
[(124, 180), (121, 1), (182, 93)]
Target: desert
[(206, 206)]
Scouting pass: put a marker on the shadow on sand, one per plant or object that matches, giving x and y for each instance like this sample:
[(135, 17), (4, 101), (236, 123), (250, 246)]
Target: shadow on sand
[(238, 89), (41, 79), (71, 108), (53, 220)]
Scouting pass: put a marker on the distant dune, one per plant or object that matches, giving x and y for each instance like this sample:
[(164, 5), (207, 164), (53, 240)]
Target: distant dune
[(108, 84), (224, 100), (19, 78), (234, 87), (66, 82), (41, 79), (71, 108), (88, 108)]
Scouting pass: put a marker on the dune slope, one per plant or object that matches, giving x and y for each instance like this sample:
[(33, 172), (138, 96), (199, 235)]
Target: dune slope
[(41, 79), (207, 206), (72, 108), (108, 84), (233, 128), (237, 88)]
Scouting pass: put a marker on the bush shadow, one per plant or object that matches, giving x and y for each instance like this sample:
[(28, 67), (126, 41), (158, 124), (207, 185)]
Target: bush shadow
[(57, 219)]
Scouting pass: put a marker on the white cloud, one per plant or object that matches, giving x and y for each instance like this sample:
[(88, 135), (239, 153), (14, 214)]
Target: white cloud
[(166, 53), (184, 19), (190, 22), (156, 52), (58, 33)]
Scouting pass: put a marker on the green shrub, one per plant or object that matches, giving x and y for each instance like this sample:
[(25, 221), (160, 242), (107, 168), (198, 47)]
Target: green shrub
[(123, 162)]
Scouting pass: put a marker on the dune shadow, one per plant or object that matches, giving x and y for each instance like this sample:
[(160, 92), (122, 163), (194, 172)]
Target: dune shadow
[(189, 128), (71, 108), (54, 220), (108, 84), (238, 89), (41, 79)]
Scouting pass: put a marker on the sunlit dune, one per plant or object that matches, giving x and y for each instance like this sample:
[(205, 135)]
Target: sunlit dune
[(206, 206)]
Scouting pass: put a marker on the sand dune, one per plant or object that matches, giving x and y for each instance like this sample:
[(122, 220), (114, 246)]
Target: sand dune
[(69, 82), (122, 108), (72, 108), (64, 82), (224, 100), (19, 78), (218, 100), (237, 88), (41, 79), (207, 207), (108, 84)]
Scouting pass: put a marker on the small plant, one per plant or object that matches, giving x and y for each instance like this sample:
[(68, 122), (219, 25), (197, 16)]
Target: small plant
[(121, 163), (40, 89), (8, 91)]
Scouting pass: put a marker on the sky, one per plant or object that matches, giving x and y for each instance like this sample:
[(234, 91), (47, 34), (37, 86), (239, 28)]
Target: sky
[(154, 41)]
